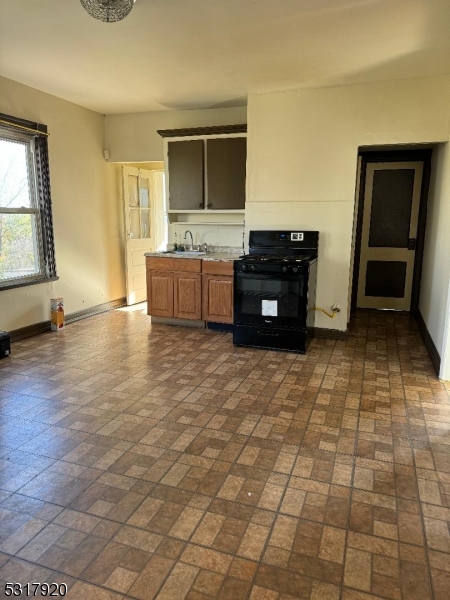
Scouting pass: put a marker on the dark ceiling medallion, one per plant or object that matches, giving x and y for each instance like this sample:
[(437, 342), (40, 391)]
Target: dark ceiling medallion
[(108, 11)]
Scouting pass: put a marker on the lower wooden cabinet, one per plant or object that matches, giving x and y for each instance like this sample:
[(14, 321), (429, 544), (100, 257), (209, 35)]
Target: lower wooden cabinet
[(190, 289), (187, 295), (217, 298), (217, 290), (159, 294)]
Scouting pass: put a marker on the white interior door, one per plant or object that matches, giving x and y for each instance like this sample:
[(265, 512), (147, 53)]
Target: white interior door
[(389, 231), (139, 215)]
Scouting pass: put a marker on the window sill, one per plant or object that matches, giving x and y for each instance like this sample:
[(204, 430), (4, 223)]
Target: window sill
[(10, 285)]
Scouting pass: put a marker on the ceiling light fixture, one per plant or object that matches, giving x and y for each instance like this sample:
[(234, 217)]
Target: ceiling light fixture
[(108, 11)]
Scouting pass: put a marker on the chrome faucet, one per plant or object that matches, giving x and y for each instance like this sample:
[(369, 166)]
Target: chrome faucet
[(192, 237)]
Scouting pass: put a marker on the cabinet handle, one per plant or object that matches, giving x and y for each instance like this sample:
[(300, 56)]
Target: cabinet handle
[(200, 204), (210, 205)]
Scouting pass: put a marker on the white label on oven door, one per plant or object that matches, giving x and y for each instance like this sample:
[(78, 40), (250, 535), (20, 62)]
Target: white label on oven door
[(269, 308)]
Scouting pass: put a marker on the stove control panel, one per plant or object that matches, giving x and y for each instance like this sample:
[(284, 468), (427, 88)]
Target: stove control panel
[(290, 236), (269, 267)]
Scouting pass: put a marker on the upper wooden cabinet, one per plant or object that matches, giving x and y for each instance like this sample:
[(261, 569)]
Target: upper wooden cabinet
[(226, 168), (186, 174), (207, 173)]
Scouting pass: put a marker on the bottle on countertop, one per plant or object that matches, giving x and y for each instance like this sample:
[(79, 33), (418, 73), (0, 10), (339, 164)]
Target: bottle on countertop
[(175, 244)]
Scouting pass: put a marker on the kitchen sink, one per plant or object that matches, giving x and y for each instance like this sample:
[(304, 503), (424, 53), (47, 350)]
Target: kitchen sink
[(185, 252), (189, 252)]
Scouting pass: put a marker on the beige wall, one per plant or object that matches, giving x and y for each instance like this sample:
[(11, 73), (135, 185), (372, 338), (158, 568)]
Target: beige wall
[(133, 137), (302, 160), (445, 357), (302, 157), (150, 165), (436, 259), (86, 212)]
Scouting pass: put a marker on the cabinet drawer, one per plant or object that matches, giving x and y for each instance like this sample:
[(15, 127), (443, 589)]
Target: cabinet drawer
[(216, 267), (181, 265)]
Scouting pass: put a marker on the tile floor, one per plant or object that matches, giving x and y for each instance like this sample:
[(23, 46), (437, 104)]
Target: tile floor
[(161, 462)]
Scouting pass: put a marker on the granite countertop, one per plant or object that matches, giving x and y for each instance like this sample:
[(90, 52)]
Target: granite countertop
[(225, 255)]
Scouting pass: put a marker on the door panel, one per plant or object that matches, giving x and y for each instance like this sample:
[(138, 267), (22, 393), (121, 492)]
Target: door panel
[(217, 299), (226, 164), (187, 296), (390, 219), (160, 294), (139, 281), (186, 176), (392, 195), (385, 279)]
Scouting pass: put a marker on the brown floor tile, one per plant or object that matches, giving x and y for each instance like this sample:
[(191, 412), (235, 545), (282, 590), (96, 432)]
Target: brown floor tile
[(283, 582), (181, 467), (208, 583)]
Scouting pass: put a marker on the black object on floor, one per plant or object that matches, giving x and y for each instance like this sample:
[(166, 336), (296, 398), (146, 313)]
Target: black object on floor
[(5, 344)]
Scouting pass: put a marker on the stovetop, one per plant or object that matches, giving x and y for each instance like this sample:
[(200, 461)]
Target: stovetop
[(276, 258)]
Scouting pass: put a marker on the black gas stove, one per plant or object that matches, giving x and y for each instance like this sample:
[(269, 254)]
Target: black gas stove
[(274, 290)]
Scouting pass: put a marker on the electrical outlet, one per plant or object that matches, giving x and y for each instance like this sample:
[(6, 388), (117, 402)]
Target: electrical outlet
[(336, 307)]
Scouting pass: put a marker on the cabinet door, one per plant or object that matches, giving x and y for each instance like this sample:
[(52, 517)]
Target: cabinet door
[(218, 298), (188, 295), (226, 170), (159, 294), (185, 160)]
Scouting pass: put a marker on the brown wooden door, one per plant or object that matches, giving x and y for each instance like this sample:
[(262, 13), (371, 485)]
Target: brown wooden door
[(160, 294), (218, 298), (187, 295)]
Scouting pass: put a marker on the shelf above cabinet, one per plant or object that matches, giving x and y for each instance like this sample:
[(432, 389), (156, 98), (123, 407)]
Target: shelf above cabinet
[(208, 223), (203, 131), (206, 211)]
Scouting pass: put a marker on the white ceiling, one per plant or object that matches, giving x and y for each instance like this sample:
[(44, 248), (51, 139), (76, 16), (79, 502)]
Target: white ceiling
[(181, 54)]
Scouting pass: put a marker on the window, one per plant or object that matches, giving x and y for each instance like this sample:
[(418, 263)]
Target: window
[(26, 231)]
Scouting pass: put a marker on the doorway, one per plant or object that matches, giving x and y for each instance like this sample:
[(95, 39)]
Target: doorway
[(390, 229), (144, 210)]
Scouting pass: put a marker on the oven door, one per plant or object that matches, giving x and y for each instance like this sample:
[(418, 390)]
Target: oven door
[(270, 300)]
